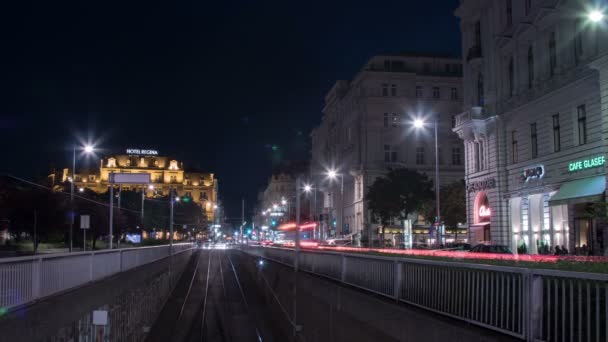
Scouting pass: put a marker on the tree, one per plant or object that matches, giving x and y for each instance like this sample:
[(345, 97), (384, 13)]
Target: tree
[(453, 205), (397, 194)]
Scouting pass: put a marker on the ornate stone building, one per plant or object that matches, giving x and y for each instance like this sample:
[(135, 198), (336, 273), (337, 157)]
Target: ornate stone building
[(534, 125), (165, 173)]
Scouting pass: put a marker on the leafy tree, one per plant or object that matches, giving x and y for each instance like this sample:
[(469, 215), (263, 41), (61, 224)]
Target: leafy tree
[(397, 194), (453, 205)]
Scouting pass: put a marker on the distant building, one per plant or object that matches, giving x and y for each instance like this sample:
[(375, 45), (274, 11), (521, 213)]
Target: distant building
[(165, 173), (367, 128), (277, 202), (534, 126)]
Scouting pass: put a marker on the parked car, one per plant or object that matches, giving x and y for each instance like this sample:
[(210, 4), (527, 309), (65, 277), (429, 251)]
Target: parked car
[(497, 249)]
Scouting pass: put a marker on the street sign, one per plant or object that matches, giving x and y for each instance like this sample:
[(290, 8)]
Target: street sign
[(129, 178), (100, 317), (85, 221)]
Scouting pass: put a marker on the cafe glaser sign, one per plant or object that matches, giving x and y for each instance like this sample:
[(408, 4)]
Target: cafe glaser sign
[(142, 152), (585, 164)]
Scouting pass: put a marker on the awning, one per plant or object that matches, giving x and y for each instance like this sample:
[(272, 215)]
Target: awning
[(580, 191)]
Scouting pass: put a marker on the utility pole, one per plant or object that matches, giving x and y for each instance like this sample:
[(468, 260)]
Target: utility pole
[(111, 210), (172, 198), (72, 198), (35, 228), (297, 223), (143, 196), (242, 217)]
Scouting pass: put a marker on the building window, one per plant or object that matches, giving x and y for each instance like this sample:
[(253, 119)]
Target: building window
[(173, 179), (426, 67), (389, 154), (418, 92), (419, 155), (480, 90), (436, 93), (533, 140), (453, 121), (528, 6), (456, 156), (478, 34), (395, 120), (92, 178), (582, 124), (385, 120), (530, 67), (454, 94), (511, 78), (393, 90), (556, 134), (384, 89), (552, 54), (514, 147), (509, 12), (578, 42)]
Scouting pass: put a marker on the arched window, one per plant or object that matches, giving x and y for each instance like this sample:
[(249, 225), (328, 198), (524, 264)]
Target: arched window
[(111, 162), (480, 99), (530, 67)]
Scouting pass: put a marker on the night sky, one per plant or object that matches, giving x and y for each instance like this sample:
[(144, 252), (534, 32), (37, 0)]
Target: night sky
[(215, 84)]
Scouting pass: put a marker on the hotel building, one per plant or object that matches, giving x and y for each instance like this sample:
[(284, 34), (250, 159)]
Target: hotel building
[(165, 173)]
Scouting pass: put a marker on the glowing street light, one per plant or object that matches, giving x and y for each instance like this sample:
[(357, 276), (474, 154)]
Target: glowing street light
[(274, 206), (87, 149), (595, 16), (332, 174), (419, 124), (283, 202), (307, 188), (151, 187), (177, 199)]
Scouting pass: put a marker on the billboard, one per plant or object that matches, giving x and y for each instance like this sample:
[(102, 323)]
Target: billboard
[(129, 178)]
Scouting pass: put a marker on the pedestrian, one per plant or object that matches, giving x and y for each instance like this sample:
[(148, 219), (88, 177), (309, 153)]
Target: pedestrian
[(558, 251), (564, 250)]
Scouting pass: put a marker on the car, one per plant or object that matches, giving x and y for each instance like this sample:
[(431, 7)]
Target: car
[(496, 249), (339, 242)]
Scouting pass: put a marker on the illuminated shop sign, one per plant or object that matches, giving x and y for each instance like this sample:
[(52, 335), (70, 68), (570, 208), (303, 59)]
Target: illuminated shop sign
[(535, 172), (485, 184), (586, 163), (142, 152), (484, 211)]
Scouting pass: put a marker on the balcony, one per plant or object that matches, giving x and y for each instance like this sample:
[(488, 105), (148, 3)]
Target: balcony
[(472, 124), (474, 53)]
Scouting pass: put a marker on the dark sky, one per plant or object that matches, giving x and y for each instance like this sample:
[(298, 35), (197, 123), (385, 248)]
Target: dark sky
[(213, 83)]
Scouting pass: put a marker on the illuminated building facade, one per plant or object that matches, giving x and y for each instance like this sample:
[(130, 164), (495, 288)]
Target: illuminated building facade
[(165, 173), (367, 128), (534, 125)]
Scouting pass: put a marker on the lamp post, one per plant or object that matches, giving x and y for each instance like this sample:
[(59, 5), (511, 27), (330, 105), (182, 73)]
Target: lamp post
[(87, 149), (595, 15), (313, 212), (332, 175), (419, 124)]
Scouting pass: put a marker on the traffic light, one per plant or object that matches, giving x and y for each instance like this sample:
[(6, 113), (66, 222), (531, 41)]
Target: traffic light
[(273, 223), (186, 199), (334, 223), (249, 231)]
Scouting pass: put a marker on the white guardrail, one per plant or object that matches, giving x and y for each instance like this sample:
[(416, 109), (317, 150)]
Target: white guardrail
[(27, 279), (531, 304)]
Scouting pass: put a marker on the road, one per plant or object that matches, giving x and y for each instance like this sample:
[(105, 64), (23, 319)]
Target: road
[(227, 295)]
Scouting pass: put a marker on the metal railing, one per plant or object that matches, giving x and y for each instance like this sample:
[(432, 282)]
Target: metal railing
[(26, 279), (530, 304)]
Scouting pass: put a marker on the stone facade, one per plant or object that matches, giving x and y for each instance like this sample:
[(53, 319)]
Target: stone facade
[(165, 173), (533, 110), (367, 127)]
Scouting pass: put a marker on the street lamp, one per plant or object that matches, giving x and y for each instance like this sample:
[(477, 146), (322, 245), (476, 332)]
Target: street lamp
[(87, 149), (595, 16), (332, 174), (419, 124), (308, 188)]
